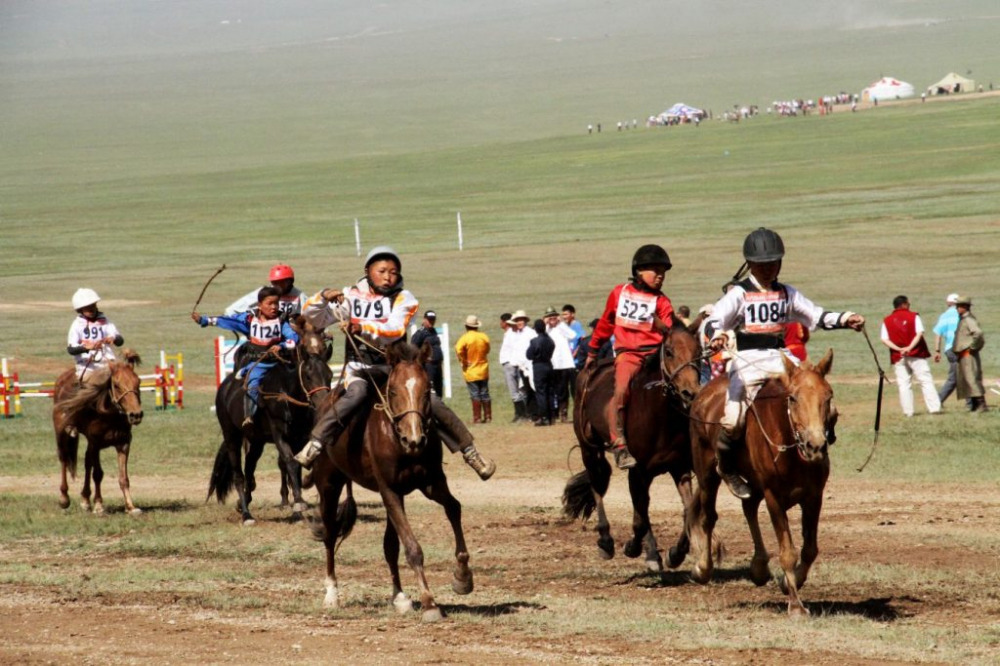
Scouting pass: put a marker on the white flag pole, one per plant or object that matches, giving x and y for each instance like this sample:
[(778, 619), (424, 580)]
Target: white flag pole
[(357, 236), (460, 232)]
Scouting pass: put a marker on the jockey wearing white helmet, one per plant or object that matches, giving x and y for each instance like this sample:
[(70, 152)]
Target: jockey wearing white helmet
[(91, 335)]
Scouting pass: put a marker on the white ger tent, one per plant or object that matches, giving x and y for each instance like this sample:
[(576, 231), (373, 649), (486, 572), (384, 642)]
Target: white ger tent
[(952, 83), (887, 88)]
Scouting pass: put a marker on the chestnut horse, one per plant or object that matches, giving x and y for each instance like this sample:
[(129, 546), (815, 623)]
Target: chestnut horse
[(785, 460), (388, 449), (289, 394), (103, 410), (656, 427)]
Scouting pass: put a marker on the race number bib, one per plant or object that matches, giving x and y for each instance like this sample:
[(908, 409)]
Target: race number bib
[(635, 310), (764, 311), (93, 332), (288, 305), (369, 307), (265, 332)]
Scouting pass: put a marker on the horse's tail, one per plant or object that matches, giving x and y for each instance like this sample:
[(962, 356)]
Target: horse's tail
[(578, 496), (223, 479)]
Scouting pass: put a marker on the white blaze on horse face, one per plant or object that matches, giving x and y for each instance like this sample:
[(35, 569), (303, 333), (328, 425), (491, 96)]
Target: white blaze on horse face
[(412, 420)]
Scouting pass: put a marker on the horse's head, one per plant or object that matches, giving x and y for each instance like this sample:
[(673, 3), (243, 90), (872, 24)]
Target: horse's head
[(810, 406), (409, 394), (123, 387), (314, 351), (680, 355)]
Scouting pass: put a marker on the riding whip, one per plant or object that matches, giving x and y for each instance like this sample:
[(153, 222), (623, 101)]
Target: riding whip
[(878, 403), (205, 288)]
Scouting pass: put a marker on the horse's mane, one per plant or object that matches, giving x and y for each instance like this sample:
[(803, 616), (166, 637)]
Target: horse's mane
[(401, 351), (91, 395)]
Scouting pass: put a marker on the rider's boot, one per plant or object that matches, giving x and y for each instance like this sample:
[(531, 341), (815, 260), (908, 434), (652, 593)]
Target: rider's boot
[(484, 467), (487, 411), (726, 466), (331, 422), (457, 438), (477, 411), (619, 447), (249, 407)]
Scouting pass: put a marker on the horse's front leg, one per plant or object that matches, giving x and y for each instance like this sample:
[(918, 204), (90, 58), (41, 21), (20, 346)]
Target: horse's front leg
[(414, 554), (329, 496), (390, 548), (811, 508), (788, 556), (679, 551), (88, 470), (439, 492), (123, 481), (702, 516), (759, 572), (642, 533), (253, 454)]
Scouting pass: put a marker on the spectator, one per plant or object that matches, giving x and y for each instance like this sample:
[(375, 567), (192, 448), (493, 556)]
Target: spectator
[(563, 368), (539, 352), (944, 338), (903, 334), (523, 334), (510, 369), (969, 341), (427, 333), (569, 317), (684, 314), (473, 350)]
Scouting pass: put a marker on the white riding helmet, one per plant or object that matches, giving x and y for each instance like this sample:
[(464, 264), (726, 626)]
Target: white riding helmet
[(382, 252), (84, 297)]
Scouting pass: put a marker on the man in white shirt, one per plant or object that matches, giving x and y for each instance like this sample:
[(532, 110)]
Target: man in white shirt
[(563, 367)]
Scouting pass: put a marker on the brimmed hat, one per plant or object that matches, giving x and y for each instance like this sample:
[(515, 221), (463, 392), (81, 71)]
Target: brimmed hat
[(520, 314), (963, 300), (951, 299), (550, 312), (472, 321)]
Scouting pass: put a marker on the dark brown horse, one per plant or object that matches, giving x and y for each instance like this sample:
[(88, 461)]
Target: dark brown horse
[(656, 427), (389, 450), (103, 410), (289, 394), (785, 460)]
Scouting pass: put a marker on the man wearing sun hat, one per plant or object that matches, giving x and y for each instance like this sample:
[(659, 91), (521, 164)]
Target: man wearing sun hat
[(521, 338), (968, 341), (473, 351), (944, 337)]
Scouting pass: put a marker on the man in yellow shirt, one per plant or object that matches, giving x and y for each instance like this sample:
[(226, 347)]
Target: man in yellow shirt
[(473, 350)]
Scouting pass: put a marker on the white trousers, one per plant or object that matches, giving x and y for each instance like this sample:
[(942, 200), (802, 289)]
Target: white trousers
[(916, 368), (748, 370)]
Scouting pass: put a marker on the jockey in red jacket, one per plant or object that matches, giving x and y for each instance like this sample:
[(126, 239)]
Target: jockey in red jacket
[(638, 314)]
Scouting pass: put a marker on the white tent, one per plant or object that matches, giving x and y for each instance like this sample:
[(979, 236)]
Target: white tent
[(887, 88), (952, 83)]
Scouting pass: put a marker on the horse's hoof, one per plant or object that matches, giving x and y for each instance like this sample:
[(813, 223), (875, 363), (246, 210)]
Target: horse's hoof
[(332, 599), (656, 566), (300, 507), (85, 506), (402, 603), (675, 558), (633, 548), (700, 575), (460, 586), (432, 615), (135, 511), (797, 611), (64, 503), (606, 548), (98, 509), (249, 522), (759, 572)]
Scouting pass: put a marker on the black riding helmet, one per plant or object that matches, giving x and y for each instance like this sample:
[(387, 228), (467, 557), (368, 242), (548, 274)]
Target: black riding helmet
[(763, 245), (649, 255)]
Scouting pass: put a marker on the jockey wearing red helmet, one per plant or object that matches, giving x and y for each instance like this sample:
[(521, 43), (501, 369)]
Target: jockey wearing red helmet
[(290, 298)]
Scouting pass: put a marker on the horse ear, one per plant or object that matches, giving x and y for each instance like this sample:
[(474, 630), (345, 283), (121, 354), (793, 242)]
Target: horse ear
[(328, 354), (696, 324), (131, 357), (425, 353), (825, 363), (790, 368)]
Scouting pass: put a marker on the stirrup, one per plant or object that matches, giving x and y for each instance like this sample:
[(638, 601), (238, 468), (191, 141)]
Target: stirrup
[(484, 467), (737, 485), (623, 459), (307, 456)]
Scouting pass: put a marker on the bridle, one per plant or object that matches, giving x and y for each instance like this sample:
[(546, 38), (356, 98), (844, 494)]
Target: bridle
[(668, 379), (800, 443), (395, 418), (116, 399)]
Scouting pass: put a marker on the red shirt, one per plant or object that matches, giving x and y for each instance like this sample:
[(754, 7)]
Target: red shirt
[(901, 326), (796, 337), (628, 315)]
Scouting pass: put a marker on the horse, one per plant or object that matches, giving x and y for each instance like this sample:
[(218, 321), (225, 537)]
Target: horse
[(103, 410), (656, 427), (388, 449), (289, 393), (784, 458)]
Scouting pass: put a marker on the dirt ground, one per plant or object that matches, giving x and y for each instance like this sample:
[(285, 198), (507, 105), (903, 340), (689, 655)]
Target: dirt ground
[(528, 561)]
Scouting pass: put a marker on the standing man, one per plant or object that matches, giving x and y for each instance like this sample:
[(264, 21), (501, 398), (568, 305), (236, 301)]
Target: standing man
[(522, 337), (473, 351), (903, 334), (944, 338), (510, 372), (563, 366), (968, 341), (428, 333)]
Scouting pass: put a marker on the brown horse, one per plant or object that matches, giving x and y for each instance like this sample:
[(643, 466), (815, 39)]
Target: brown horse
[(656, 427), (103, 410), (785, 460), (389, 450)]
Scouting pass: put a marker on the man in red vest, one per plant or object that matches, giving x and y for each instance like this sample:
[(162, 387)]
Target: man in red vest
[(903, 334)]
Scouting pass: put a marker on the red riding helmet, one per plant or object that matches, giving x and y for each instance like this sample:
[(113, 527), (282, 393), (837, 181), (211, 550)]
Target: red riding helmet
[(281, 272)]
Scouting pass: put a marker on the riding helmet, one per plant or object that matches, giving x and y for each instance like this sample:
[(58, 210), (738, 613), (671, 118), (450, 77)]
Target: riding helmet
[(763, 245), (383, 252), (281, 272), (84, 297), (649, 255)]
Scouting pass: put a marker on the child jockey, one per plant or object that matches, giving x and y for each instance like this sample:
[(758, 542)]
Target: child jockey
[(91, 335), (757, 308), (267, 332), (375, 310), (638, 314), (290, 298)]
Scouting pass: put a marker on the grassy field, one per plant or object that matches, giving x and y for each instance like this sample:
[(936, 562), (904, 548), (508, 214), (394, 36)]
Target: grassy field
[(142, 148)]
